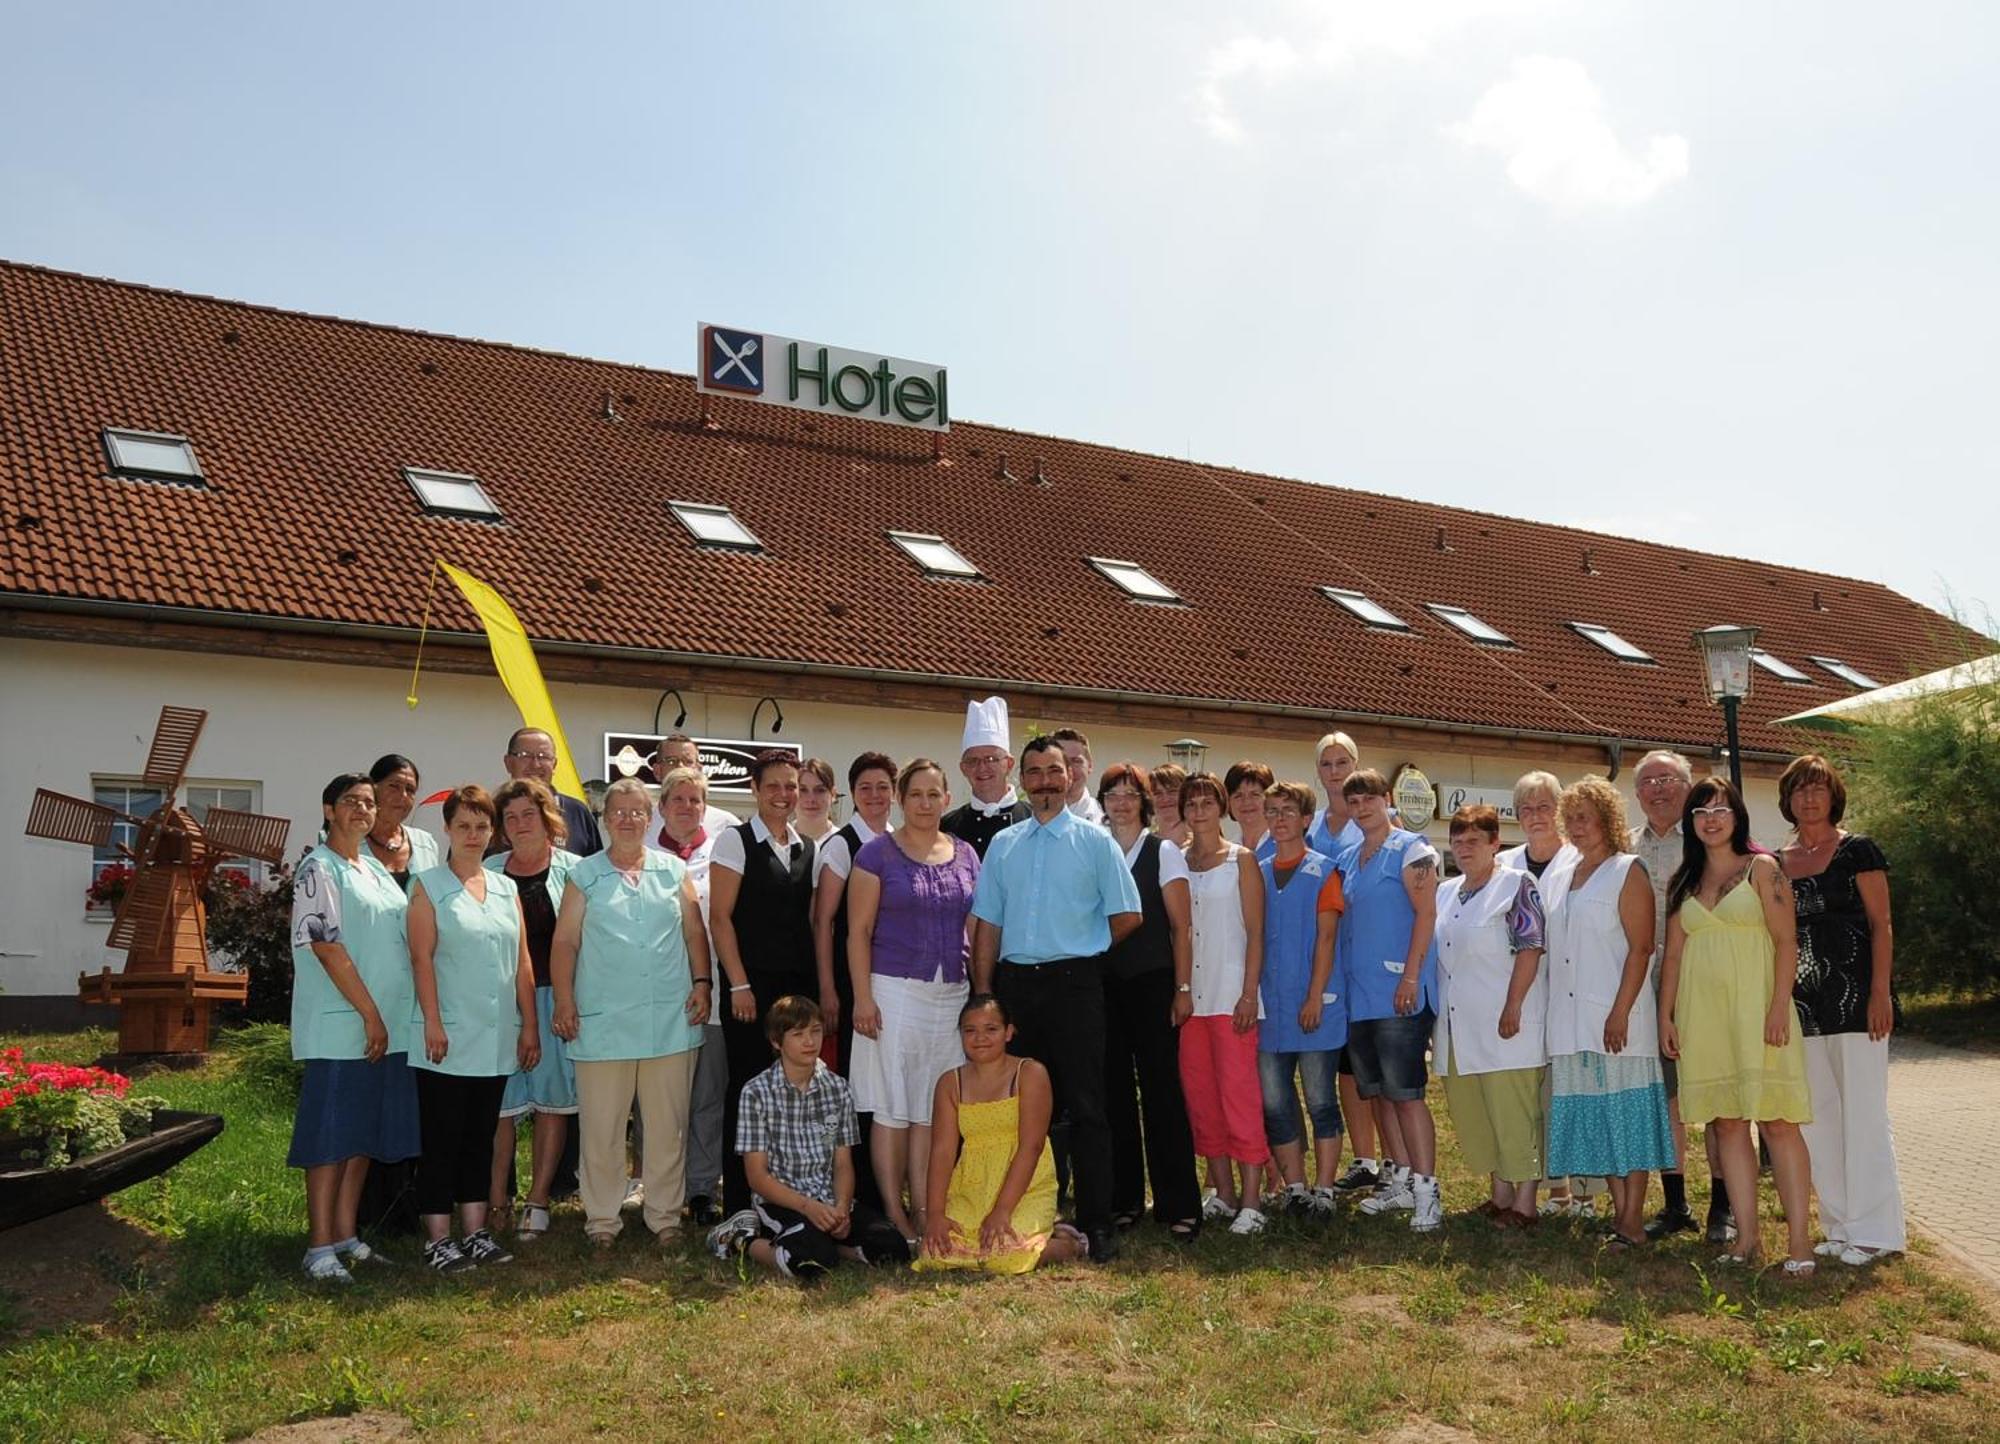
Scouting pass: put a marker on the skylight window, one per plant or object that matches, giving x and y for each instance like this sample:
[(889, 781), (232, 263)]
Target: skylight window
[(934, 554), (1366, 608), (1616, 645), (450, 493), (1479, 631), (1846, 673), (1777, 666), (153, 454), (1135, 580), (715, 526)]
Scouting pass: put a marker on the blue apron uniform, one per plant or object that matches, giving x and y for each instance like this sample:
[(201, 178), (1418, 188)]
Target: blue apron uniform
[(476, 964), (1375, 931), (1291, 931), (632, 980), (373, 911)]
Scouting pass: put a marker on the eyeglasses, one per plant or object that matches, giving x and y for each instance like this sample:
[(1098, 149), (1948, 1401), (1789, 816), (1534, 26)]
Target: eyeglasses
[(534, 756), (1720, 809), (629, 814), (1659, 782)]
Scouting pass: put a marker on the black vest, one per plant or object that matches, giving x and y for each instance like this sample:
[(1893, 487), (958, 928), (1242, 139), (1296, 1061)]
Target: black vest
[(843, 976), (773, 917), (1151, 946), (970, 825)]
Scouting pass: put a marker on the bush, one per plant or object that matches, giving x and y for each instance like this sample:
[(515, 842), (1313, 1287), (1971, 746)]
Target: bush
[(1926, 786), (262, 1053), (55, 1113), (250, 930)]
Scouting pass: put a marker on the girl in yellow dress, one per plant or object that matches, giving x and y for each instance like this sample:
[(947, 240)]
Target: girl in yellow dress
[(990, 1158), (1726, 1012)]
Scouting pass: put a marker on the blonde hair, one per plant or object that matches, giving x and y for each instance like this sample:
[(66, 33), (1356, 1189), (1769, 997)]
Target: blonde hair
[(1534, 782), (625, 787), (681, 777), (1343, 742), (1594, 794)]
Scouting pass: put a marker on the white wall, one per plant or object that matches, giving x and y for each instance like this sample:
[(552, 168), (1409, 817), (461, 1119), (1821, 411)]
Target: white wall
[(69, 712)]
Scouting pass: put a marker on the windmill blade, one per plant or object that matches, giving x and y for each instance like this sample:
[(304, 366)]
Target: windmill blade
[(173, 745), (62, 818), (144, 911), (245, 834)]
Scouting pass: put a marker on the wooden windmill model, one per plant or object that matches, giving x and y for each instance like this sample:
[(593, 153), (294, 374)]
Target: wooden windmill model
[(166, 994)]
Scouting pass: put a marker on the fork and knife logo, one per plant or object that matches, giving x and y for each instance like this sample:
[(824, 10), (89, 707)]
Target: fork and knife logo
[(735, 360)]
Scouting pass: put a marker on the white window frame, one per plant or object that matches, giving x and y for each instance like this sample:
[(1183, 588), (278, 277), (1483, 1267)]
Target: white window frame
[(480, 505), (914, 544), (1778, 667), (1625, 651), (251, 869), (685, 512), (1468, 625), (190, 475), (1370, 611), (1847, 673), (1135, 581)]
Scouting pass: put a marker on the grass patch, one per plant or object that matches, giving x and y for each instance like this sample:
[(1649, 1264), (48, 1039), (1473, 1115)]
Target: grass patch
[(1355, 1326), (1955, 1019)]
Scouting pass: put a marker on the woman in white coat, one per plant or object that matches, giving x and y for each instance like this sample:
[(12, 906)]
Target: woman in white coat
[(1492, 1007)]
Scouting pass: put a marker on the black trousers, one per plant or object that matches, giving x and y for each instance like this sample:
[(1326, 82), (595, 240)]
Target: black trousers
[(459, 1117), (749, 1053), (807, 1253), (1058, 1013), (1142, 1048)]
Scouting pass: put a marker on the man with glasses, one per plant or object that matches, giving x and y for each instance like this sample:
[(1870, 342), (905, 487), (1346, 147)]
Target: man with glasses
[(985, 762), (531, 753)]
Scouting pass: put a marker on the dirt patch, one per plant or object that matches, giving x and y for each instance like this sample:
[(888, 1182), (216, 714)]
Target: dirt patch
[(1950, 1351), (71, 1267), (364, 1428), (1428, 1431)]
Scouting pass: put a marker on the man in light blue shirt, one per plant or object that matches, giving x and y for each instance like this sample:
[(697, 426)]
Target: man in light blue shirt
[(1054, 894)]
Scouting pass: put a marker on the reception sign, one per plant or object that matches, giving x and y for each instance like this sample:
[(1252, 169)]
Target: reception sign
[(725, 762)]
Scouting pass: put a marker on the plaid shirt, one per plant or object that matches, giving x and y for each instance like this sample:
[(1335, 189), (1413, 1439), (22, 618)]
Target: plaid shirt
[(797, 1131)]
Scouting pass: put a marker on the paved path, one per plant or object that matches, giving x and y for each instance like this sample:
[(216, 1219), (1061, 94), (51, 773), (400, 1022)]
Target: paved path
[(1945, 1105)]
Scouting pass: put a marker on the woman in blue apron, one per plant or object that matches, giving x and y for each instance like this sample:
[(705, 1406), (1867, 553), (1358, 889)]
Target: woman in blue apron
[(1388, 970), (1332, 832), (350, 979)]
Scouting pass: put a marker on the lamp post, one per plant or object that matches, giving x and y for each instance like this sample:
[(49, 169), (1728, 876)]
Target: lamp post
[(1188, 753), (1725, 653)]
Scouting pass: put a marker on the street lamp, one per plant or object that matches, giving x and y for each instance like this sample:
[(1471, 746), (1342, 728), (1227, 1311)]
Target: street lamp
[(1725, 652), (1188, 754)]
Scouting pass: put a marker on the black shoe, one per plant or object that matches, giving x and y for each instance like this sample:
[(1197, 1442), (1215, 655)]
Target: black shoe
[(1721, 1226), (1103, 1245), (703, 1212), (1668, 1222), (1359, 1178)]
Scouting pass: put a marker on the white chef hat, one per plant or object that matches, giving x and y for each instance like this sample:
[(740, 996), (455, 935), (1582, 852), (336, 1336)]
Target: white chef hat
[(986, 725)]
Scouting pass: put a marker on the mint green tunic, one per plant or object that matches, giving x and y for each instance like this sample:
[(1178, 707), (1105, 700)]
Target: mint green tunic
[(632, 980), (476, 964), (371, 911)]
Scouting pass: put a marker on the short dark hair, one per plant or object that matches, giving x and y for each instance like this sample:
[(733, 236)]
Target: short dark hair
[(1247, 771), (514, 738), (474, 797), (1365, 782), (544, 800), (389, 764), (789, 1014), (910, 771), (1298, 794), (1812, 768), (1133, 773), (338, 788), (984, 1000), (1070, 734), (767, 759), (1476, 817), (1167, 779), (1040, 742), (678, 737), (1204, 782), (870, 762), (818, 767)]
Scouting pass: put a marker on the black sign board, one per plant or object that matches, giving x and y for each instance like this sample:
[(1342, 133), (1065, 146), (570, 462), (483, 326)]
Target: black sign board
[(725, 762)]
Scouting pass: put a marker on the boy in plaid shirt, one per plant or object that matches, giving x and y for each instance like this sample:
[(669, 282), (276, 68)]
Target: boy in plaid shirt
[(796, 1130)]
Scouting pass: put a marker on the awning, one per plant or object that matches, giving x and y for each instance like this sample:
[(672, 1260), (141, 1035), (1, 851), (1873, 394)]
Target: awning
[(1886, 702)]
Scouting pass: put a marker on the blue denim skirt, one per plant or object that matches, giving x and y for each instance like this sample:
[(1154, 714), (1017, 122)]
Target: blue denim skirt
[(351, 1108)]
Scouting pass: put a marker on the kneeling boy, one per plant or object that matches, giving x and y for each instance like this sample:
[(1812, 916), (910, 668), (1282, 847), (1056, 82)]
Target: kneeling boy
[(796, 1130)]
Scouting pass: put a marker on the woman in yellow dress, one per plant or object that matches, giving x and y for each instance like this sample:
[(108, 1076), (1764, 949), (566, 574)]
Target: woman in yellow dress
[(1726, 1012), (990, 1157)]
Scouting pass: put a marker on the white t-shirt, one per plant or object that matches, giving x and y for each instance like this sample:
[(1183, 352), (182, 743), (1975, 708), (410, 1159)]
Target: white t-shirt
[(1089, 809), (728, 849), (833, 854), (1173, 862)]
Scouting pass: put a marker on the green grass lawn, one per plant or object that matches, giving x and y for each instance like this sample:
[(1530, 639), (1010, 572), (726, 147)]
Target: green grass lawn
[(1350, 1328), (1958, 1020)]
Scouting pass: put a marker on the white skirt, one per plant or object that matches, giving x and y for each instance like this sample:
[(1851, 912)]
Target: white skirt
[(895, 1076)]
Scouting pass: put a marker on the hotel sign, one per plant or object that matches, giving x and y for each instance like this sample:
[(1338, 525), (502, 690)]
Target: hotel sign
[(809, 376), (725, 762)]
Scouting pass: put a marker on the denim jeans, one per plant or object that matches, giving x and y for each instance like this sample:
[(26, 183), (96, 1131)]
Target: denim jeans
[(1319, 1072)]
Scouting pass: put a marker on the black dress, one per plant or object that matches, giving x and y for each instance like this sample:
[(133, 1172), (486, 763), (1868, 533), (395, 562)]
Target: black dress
[(1836, 954)]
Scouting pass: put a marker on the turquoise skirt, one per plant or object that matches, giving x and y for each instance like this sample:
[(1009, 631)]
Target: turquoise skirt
[(1607, 1116), (550, 1086)]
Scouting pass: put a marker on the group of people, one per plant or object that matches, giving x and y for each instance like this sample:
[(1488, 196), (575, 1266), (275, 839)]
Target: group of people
[(908, 1037)]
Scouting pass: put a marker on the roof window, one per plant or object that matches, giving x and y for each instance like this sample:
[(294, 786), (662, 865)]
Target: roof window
[(1366, 608), (1846, 673), (715, 526), (155, 455), (938, 557), (450, 493), (1777, 666), (1135, 580), (1616, 645), (1479, 631)]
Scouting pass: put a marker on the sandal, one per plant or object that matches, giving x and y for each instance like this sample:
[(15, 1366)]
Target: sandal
[(534, 1222), (1125, 1220), (1184, 1230), (1619, 1243), (1490, 1209), (1800, 1268)]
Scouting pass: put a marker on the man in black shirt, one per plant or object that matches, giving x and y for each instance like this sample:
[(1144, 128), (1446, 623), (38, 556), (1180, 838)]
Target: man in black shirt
[(986, 760), (531, 752)]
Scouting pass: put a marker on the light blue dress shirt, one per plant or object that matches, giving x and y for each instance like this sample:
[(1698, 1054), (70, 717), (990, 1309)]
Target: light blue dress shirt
[(1052, 888)]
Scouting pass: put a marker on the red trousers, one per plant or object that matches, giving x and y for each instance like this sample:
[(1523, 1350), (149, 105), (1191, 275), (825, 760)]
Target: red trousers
[(1225, 1101)]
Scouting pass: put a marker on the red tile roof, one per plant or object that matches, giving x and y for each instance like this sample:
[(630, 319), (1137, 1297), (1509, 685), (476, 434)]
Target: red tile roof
[(303, 425)]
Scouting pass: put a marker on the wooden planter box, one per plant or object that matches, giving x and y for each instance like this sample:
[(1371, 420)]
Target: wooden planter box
[(27, 1194)]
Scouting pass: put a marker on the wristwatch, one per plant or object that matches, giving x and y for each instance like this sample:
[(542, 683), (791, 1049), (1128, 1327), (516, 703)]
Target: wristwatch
[(1184, 988)]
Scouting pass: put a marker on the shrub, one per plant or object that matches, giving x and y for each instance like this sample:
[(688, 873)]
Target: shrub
[(262, 1053), (250, 930)]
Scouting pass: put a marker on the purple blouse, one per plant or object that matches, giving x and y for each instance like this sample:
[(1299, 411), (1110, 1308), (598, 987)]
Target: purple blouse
[(920, 922)]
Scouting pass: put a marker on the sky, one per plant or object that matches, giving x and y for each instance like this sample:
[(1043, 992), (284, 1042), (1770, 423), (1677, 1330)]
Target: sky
[(1714, 274)]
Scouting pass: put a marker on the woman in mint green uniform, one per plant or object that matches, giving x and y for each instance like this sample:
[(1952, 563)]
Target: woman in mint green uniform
[(631, 976), (350, 981), (475, 1015)]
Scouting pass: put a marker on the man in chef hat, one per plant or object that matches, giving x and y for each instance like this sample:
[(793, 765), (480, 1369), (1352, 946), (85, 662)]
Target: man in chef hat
[(986, 759)]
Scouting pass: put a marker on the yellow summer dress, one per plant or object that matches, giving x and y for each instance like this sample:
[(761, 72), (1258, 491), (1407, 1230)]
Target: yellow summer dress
[(1728, 965), (988, 1135)]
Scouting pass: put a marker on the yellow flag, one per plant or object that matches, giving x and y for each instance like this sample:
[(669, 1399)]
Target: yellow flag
[(519, 672)]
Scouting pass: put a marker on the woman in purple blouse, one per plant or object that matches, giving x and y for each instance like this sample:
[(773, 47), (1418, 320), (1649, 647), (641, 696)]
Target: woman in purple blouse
[(909, 899)]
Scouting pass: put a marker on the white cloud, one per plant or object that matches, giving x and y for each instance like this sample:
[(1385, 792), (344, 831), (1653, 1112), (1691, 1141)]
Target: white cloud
[(1265, 59), (1547, 120)]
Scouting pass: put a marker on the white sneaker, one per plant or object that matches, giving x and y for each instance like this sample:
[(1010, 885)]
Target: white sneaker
[(1248, 1221), (734, 1234), (635, 1195), (1324, 1200), (1428, 1205), (1214, 1209), (1297, 1197), (1393, 1193), (327, 1268), (1830, 1247)]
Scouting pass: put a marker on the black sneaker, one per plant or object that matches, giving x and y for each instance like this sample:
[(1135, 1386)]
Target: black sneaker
[(1668, 1222), (446, 1257), (1358, 1178), (703, 1212), (480, 1247), (1721, 1225), (1103, 1245)]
